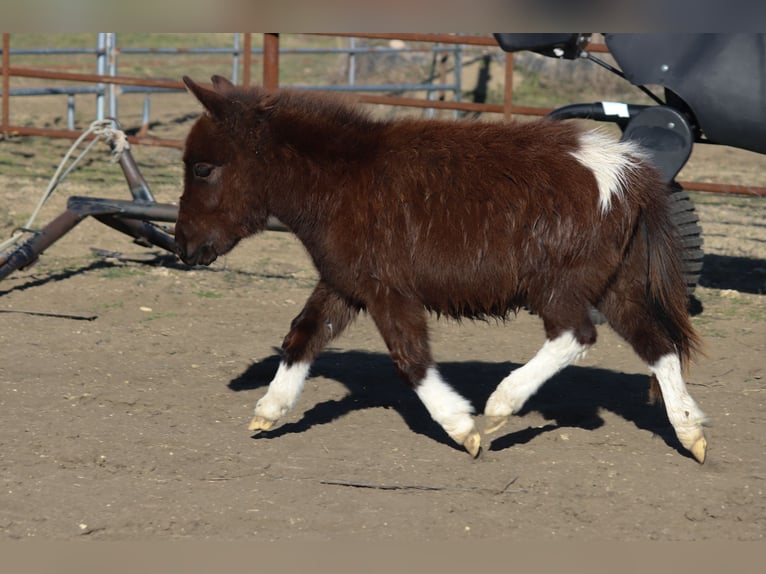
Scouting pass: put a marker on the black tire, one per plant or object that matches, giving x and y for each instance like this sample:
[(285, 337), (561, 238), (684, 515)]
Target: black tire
[(685, 217)]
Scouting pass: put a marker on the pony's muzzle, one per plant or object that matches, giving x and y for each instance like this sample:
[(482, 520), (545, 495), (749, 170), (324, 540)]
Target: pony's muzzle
[(203, 254)]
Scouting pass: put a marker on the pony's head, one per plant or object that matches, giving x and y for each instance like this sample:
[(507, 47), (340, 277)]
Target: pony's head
[(223, 199)]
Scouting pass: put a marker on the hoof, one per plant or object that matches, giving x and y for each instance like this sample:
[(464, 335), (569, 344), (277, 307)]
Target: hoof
[(472, 443), (494, 423), (260, 424), (699, 449)]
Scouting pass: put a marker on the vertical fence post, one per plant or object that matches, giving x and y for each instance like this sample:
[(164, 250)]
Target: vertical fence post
[(6, 80), (508, 92), (101, 71), (271, 61), (235, 60), (112, 63), (352, 61), (458, 73), (247, 57)]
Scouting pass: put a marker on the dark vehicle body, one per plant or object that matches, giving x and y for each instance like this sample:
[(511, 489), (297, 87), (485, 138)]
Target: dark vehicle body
[(714, 92)]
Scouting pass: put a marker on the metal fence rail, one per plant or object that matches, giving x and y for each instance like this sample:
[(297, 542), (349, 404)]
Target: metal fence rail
[(108, 54), (106, 83)]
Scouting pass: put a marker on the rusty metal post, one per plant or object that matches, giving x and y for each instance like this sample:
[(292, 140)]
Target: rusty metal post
[(271, 61), (6, 81), (508, 93), (139, 189), (247, 58)]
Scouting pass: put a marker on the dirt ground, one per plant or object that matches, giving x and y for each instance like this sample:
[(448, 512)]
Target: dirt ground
[(127, 382)]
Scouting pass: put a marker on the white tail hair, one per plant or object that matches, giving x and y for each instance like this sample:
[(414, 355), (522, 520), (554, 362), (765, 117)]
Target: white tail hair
[(609, 160)]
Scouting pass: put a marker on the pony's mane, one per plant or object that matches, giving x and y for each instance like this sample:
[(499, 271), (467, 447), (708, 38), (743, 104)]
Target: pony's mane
[(318, 106), (313, 123), (334, 108)]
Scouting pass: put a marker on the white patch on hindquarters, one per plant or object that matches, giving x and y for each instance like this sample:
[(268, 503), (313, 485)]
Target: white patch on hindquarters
[(283, 392), (516, 388), (445, 405), (609, 160), (683, 412)]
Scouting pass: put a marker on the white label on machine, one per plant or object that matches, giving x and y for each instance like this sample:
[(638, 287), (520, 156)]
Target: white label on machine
[(616, 109)]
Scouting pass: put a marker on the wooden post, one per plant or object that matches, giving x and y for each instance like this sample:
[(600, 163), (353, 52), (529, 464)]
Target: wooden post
[(271, 61), (247, 58)]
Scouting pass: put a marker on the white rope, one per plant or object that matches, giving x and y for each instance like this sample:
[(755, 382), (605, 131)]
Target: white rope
[(103, 130)]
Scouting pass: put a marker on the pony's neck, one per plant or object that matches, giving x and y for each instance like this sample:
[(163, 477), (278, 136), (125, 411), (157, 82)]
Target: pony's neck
[(319, 130), (315, 153)]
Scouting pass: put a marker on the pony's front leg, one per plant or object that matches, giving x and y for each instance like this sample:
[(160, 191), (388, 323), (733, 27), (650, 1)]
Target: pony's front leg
[(402, 323), (325, 315)]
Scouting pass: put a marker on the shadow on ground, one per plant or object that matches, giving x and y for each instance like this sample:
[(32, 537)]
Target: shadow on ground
[(115, 260), (573, 398), (743, 274)]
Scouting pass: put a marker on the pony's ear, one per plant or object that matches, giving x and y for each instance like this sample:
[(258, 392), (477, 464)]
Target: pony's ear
[(216, 103), (221, 84)]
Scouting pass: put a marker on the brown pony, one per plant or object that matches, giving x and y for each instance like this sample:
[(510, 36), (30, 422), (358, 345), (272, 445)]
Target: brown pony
[(459, 218)]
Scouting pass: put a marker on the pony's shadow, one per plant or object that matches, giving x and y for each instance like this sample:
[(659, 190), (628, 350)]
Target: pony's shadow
[(117, 261), (573, 398)]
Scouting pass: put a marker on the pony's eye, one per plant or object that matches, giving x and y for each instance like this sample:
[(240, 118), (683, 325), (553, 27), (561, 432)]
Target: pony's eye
[(202, 170)]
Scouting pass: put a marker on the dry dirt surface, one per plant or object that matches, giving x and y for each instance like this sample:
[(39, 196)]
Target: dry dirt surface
[(127, 382)]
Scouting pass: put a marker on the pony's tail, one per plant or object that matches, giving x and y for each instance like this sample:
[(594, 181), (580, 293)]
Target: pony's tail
[(666, 286)]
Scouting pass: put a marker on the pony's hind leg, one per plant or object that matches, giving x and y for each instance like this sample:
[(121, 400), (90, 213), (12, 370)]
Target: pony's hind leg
[(325, 315), (683, 412), (634, 320), (564, 345)]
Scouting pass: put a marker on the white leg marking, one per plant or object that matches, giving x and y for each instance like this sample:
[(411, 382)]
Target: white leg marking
[(609, 160), (684, 414), (445, 405), (516, 388), (283, 391)]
